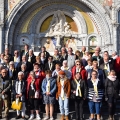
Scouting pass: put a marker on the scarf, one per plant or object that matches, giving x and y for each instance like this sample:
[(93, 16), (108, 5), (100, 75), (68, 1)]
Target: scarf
[(32, 85), (48, 86), (112, 78), (78, 90), (62, 89), (95, 86), (29, 59)]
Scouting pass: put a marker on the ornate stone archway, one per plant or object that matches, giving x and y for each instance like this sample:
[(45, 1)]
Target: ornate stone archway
[(79, 11)]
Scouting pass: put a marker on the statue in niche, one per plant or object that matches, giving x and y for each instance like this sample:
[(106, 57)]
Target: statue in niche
[(59, 27)]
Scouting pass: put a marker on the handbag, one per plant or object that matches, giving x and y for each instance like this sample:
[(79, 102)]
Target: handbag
[(16, 105)]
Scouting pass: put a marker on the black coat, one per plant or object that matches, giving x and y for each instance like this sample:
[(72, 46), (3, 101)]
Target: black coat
[(111, 65), (23, 89), (33, 59), (14, 75), (48, 68), (83, 88), (28, 64), (22, 53), (46, 54), (112, 88)]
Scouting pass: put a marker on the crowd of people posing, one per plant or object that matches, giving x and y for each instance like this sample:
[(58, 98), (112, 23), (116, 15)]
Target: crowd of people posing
[(46, 79)]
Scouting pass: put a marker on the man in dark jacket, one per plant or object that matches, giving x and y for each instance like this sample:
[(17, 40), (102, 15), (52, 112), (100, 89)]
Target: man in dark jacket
[(5, 86)]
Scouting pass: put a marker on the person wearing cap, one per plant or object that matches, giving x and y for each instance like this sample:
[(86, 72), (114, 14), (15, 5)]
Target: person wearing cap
[(49, 92), (19, 90), (63, 94), (79, 94)]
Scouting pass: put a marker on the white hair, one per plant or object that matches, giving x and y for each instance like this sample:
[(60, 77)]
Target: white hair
[(20, 73), (23, 65), (11, 62), (65, 61)]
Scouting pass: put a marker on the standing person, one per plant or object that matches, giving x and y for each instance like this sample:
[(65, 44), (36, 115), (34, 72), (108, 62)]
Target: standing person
[(63, 94), (50, 65), (29, 66), (25, 51), (112, 85), (56, 71), (71, 58), (66, 69), (33, 93), (83, 51), (95, 95), (49, 91), (106, 64), (89, 68), (5, 86), (57, 58), (79, 68), (8, 54), (79, 94), (31, 57), (6, 62), (16, 58), (43, 50), (19, 90)]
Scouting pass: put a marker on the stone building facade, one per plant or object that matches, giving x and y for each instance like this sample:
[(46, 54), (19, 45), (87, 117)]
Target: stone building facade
[(56, 23)]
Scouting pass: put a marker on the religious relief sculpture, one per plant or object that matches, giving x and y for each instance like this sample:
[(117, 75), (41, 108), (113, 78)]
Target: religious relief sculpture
[(59, 27)]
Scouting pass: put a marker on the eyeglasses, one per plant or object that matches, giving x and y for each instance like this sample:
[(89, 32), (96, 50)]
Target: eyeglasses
[(6, 59), (15, 53), (78, 64)]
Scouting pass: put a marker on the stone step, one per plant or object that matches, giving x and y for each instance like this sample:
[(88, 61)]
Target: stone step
[(71, 115)]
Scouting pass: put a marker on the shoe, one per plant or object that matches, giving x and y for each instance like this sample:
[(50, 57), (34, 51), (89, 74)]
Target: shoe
[(46, 118), (6, 118), (23, 118), (31, 117), (18, 117), (66, 117), (38, 117), (51, 118)]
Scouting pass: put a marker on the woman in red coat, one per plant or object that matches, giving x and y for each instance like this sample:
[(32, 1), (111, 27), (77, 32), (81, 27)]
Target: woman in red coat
[(79, 68), (33, 90)]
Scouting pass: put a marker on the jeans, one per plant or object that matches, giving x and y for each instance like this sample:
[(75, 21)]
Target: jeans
[(64, 106), (22, 110), (79, 108), (94, 106)]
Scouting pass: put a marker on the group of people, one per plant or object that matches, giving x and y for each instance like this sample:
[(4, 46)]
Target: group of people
[(46, 79)]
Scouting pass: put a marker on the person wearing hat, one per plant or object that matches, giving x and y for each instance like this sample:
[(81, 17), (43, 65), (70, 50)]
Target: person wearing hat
[(63, 94)]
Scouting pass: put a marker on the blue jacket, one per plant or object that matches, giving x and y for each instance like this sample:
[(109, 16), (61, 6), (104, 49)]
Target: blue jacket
[(52, 86)]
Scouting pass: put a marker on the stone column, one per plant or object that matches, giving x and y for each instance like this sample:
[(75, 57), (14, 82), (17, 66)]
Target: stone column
[(1, 37), (1, 25), (115, 25)]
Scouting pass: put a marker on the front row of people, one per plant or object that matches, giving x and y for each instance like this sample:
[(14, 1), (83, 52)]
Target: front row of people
[(62, 89)]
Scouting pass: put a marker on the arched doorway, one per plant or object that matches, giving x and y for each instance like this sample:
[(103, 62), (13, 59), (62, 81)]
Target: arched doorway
[(28, 20)]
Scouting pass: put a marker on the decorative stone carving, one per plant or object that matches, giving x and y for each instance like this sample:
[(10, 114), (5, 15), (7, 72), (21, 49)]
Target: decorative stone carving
[(59, 27)]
